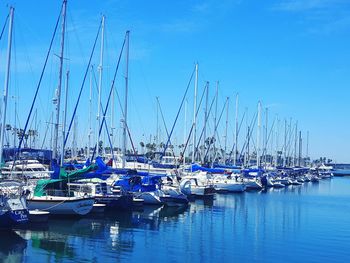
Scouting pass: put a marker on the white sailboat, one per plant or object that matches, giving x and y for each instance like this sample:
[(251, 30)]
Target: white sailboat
[(59, 202), (62, 205), (223, 183), (13, 207)]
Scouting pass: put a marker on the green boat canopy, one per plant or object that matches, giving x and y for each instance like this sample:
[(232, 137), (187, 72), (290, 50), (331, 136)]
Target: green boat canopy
[(41, 186)]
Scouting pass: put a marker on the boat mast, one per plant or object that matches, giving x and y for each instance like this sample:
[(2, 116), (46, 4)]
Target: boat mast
[(194, 114), (300, 149), (64, 118), (236, 132), (248, 146), (205, 119), (74, 141), (15, 134), (100, 69), (277, 138), (266, 132), (126, 97), (258, 136), (307, 144), (216, 111), (185, 134), (225, 145), (157, 124), (112, 119), (90, 110), (6, 86), (58, 91), (295, 143)]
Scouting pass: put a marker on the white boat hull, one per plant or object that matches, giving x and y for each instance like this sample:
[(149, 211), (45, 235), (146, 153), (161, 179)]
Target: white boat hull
[(57, 205), (149, 198), (253, 185)]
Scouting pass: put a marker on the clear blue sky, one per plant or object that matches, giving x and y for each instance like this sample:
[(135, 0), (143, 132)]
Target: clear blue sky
[(293, 55)]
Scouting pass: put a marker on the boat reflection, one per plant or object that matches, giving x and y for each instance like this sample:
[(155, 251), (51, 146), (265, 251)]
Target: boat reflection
[(62, 237), (12, 247)]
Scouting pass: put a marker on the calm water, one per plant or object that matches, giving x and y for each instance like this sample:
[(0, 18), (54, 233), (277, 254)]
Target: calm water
[(309, 223)]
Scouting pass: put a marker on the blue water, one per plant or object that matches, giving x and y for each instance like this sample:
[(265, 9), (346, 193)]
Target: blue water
[(308, 223)]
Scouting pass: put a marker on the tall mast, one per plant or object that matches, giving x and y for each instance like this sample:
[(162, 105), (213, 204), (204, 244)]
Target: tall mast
[(225, 148), (58, 91), (216, 111), (205, 119), (295, 143), (6, 85), (236, 132), (285, 144), (64, 118), (248, 146), (290, 137), (194, 114), (185, 135), (157, 123), (300, 148), (100, 69), (277, 138), (74, 142), (112, 117), (15, 134), (245, 157), (307, 144), (90, 110), (266, 131), (126, 97), (258, 136)]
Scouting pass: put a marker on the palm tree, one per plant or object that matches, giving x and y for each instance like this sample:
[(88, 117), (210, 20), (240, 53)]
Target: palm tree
[(142, 144)]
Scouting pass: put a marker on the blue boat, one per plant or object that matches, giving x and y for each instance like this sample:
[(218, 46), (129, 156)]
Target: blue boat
[(13, 206)]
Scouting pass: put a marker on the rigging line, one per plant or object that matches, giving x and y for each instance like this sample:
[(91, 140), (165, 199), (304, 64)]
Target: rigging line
[(192, 126), (110, 92), (252, 124), (290, 140), (268, 137), (82, 85), (107, 130), (166, 129), (197, 111), (177, 116), (239, 129), (46, 130), (127, 126), (40, 79), (3, 29), (216, 126), (202, 132), (74, 29)]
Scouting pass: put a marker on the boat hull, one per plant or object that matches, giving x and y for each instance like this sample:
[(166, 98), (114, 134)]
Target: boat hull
[(222, 187), (149, 198), (12, 218), (62, 206), (174, 201), (123, 202), (253, 185)]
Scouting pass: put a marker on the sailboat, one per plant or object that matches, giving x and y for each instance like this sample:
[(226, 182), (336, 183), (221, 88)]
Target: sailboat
[(54, 195), (13, 207), (57, 202)]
